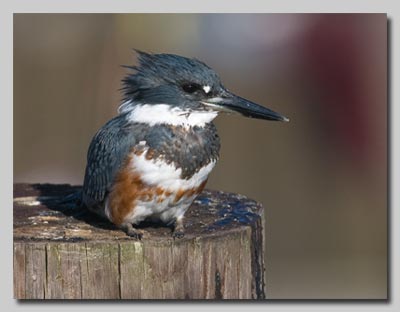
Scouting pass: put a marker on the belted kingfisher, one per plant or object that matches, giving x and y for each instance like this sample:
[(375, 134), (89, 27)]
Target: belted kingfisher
[(153, 159)]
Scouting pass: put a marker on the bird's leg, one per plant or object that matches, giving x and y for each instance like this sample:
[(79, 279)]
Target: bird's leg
[(130, 230), (179, 229)]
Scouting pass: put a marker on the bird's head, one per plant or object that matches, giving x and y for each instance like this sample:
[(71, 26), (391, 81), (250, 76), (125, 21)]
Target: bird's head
[(169, 88)]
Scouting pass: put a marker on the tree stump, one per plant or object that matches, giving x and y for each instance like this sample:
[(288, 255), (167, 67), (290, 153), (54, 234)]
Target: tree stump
[(62, 251)]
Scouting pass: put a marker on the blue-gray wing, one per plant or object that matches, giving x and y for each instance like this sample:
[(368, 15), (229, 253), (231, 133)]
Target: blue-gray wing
[(107, 152)]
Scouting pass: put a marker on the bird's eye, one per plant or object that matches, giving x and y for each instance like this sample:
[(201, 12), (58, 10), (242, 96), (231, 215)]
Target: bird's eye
[(191, 87)]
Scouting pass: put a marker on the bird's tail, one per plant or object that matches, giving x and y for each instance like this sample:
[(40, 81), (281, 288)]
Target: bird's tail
[(72, 199), (69, 201)]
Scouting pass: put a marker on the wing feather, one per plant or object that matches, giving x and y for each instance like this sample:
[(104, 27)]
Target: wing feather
[(107, 152)]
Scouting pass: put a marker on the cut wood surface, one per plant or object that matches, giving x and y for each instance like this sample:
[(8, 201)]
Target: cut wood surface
[(62, 251)]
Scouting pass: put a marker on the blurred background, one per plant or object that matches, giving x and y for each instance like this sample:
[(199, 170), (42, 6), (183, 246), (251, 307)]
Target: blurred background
[(322, 178)]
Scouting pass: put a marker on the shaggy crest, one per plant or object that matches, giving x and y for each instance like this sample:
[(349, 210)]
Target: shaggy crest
[(156, 70)]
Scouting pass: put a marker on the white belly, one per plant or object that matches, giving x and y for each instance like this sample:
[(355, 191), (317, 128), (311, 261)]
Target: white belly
[(166, 211)]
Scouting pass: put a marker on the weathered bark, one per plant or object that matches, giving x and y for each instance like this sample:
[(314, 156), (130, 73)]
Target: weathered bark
[(64, 252)]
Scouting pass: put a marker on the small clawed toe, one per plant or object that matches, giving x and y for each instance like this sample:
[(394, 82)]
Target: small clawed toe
[(178, 234), (135, 234), (130, 231)]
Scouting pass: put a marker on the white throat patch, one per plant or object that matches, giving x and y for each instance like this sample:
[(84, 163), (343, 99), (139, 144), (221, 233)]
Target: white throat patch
[(165, 114)]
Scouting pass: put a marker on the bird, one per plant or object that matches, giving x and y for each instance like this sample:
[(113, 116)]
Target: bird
[(153, 159)]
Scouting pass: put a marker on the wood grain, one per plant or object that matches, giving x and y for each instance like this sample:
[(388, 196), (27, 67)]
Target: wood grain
[(62, 251)]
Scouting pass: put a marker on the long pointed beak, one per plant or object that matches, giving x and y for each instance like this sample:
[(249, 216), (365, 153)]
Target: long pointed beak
[(230, 102)]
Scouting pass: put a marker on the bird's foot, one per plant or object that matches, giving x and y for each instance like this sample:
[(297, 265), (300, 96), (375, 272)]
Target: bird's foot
[(178, 234), (131, 231), (179, 230)]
